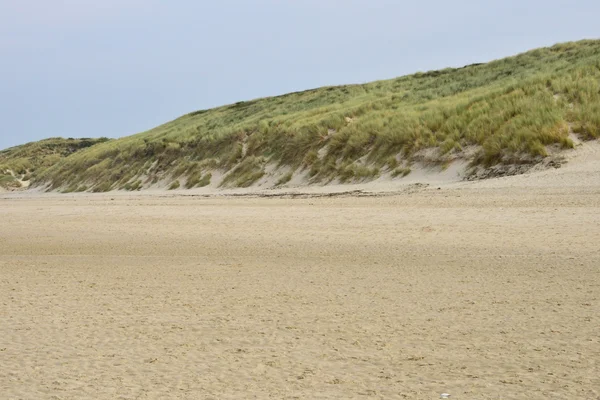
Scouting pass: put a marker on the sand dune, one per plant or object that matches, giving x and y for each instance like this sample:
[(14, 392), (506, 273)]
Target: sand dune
[(483, 290)]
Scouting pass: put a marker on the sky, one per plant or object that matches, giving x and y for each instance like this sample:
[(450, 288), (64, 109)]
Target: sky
[(91, 68)]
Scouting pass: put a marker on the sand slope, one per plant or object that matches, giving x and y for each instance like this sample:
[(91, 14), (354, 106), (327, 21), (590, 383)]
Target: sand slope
[(482, 290)]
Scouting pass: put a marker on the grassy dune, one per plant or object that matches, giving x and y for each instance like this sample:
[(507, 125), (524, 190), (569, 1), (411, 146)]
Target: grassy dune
[(25, 162), (504, 112)]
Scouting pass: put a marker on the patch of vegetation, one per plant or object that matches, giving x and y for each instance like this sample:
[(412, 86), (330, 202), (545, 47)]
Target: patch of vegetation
[(9, 182), (246, 173), (285, 178), (509, 110), (133, 186), (174, 185), (28, 160), (401, 171), (72, 188), (205, 181), (193, 180), (102, 187), (356, 173), (392, 162)]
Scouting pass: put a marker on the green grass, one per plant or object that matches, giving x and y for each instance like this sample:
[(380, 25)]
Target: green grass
[(9, 182), (250, 170), (285, 178), (28, 160), (356, 173), (509, 110), (132, 186), (400, 171)]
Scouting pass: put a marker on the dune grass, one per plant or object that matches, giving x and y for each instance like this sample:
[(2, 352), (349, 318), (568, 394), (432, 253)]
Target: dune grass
[(27, 161), (9, 182), (508, 110)]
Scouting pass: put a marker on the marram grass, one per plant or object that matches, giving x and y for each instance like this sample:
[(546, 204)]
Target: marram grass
[(506, 111)]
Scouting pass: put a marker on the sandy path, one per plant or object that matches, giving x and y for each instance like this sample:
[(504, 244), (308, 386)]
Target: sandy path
[(480, 292)]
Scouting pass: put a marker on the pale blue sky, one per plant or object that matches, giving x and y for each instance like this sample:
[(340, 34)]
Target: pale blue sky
[(88, 68)]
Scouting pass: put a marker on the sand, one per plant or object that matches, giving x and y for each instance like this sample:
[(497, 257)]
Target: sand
[(486, 290)]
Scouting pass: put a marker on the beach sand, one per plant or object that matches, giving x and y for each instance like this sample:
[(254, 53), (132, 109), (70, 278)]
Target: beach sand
[(487, 290)]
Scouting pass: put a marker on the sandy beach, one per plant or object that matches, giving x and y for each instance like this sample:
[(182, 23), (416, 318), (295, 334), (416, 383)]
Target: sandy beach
[(487, 290)]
